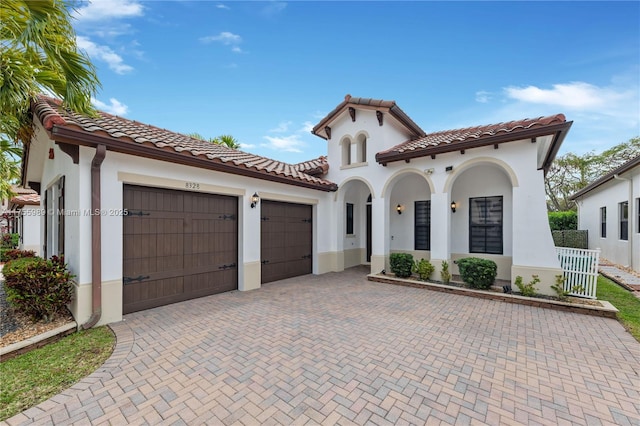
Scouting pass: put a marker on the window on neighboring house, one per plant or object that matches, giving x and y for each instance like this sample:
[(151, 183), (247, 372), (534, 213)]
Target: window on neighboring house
[(422, 225), (485, 225), (349, 219), (346, 152), (54, 221), (603, 222), (624, 220)]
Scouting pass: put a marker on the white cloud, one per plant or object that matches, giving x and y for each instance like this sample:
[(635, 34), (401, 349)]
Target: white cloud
[(575, 95), (307, 127), (104, 53), (273, 8), (226, 38), (222, 6), (246, 145), (101, 10), (483, 96), (114, 107), (283, 126), (291, 143)]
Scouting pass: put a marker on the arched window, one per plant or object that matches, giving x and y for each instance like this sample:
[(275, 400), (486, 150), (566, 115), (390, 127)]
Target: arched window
[(362, 149), (346, 152)]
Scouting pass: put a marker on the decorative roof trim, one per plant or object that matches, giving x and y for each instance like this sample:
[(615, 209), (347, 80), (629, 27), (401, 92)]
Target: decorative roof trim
[(377, 105), (634, 162)]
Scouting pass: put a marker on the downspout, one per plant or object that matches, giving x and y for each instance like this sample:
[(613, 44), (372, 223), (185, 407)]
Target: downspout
[(630, 225), (96, 239)]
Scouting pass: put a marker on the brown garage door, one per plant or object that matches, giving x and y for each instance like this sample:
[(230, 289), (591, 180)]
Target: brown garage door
[(286, 240), (177, 246)]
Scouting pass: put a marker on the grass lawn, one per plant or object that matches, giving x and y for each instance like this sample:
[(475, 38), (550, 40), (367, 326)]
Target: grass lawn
[(624, 301), (36, 376)]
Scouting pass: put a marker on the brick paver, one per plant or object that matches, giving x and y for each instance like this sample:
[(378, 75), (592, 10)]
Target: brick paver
[(337, 349)]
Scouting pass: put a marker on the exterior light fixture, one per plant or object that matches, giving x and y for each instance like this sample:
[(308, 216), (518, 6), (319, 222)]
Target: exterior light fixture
[(399, 208), (255, 199), (453, 207)]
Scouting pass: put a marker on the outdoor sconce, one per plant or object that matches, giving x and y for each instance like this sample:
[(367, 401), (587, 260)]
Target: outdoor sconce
[(399, 208), (453, 207), (255, 199)]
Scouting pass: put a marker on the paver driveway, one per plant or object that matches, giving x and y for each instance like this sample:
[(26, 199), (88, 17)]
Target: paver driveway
[(338, 349)]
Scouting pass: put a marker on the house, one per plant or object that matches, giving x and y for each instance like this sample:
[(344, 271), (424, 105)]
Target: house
[(147, 217), (609, 209), (22, 215)]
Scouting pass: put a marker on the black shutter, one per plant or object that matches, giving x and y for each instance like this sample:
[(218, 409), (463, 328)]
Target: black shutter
[(422, 225)]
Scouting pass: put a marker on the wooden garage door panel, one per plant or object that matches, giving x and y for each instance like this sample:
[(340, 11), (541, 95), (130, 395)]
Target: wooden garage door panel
[(286, 240), (177, 246)]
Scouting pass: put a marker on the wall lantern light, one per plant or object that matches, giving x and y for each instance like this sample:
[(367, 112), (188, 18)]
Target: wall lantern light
[(453, 207), (255, 199), (399, 208)]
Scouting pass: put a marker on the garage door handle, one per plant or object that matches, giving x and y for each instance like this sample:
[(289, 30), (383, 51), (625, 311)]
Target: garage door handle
[(139, 278), (264, 262), (233, 265), (306, 256)]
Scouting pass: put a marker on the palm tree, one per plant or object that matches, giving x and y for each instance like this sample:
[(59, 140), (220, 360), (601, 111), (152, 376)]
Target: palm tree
[(39, 54), (227, 140)]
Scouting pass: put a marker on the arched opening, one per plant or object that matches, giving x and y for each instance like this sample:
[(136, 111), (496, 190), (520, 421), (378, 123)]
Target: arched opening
[(362, 148), (355, 232), (346, 151)]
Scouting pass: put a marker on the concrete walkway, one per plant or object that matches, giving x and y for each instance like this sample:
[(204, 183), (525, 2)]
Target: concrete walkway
[(337, 349), (622, 277)]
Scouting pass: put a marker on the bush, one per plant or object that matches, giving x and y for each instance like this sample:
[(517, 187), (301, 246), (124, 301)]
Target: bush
[(563, 221), (558, 287), (476, 272), (423, 268), (37, 287), (445, 274), (401, 264), (528, 289), (574, 239), (12, 254), (10, 241)]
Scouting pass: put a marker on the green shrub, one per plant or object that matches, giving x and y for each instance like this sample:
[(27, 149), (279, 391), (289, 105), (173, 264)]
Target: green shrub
[(528, 289), (558, 287), (563, 221), (571, 238), (423, 268), (445, 274), (37, 287), (401, 264), (12, 254), (476, 272), (10, 241)]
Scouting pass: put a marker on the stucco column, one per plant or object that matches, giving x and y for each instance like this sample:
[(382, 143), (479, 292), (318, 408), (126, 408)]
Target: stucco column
[(379, 237), (440, 229), (249, 234)]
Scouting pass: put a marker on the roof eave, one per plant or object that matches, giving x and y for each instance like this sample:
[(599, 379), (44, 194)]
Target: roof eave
[(83, 138), (559, 130), (634, 162)]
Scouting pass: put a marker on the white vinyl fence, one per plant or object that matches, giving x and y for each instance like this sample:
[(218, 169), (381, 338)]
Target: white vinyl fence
[(580, 270)]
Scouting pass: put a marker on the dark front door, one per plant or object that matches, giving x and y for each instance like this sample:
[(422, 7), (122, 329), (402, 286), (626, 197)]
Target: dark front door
[(177, 246), (286, 240), (368, 232)]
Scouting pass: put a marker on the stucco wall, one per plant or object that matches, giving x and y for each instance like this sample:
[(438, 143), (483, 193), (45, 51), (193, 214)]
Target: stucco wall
[(610, 195)]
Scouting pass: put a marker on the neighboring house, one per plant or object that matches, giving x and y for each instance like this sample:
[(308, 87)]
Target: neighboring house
[(22, 215), (153, 217), (609, 209)]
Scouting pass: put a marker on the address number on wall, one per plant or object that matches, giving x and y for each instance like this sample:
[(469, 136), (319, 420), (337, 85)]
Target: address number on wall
[(192, 185)]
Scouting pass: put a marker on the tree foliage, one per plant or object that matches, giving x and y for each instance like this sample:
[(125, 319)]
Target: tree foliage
[(570, 173), (39, 55), (226, 140)]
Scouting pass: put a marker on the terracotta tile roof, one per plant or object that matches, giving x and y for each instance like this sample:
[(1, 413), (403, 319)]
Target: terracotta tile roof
[(378, 104), (471, 137), (316, 167), (25, 197), (54, 118), (629, 165)]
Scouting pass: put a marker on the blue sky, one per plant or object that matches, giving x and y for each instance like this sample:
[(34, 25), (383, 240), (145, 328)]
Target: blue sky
[(267, 71)]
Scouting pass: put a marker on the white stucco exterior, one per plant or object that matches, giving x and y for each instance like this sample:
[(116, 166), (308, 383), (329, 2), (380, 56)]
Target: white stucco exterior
[(508, 170), (608, 195)]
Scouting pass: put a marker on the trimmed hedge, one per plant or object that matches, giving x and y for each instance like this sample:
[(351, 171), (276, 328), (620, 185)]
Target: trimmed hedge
[(401, 264), (37, 287), (563, 221), (477, 273)]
